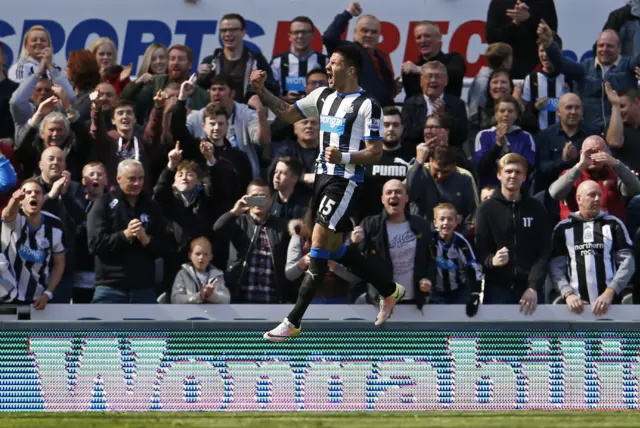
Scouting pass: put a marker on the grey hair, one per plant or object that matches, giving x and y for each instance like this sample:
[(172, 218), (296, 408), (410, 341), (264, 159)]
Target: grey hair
[(56, 116), (434, 65), (122, 166)]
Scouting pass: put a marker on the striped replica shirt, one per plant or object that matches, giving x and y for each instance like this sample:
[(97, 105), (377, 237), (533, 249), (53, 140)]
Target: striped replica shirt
[(30, 253), (346, 122), (539, 85), (290, 71), (456, 264), (589, 256)]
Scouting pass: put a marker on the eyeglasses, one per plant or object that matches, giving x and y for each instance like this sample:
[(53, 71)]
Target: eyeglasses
[(300, 32), (230, 30)]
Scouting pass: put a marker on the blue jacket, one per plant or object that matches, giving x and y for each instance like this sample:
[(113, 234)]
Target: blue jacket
[(8, 177), (382, 89), (487, 152), (590, 78)]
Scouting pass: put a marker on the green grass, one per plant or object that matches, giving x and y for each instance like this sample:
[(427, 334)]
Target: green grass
[(515, 419)]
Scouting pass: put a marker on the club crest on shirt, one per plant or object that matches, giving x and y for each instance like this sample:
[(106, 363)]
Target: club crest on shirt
[(43, 243), (587, 233), (113, 204)]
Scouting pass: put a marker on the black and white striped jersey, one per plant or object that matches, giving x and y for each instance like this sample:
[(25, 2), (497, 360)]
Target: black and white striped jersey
[(290, 71), (30, 253), (590, 248), (539, 85), (346, 122), (456, 265)]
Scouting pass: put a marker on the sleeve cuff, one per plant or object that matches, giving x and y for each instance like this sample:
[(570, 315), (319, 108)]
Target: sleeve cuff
[(299, 110)]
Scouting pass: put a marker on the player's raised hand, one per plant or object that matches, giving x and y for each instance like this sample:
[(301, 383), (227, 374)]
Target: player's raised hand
[(257, 78)]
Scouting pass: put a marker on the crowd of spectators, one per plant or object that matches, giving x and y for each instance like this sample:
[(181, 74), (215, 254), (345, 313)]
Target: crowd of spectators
[(176, 187)]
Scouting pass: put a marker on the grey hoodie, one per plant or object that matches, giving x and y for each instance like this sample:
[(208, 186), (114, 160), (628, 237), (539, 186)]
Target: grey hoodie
[(186, 287), (621, 256)]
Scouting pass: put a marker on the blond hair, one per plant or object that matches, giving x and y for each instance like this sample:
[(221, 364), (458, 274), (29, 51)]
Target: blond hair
[(103, 41), (145, 65), (511, 158), (444, 206), (24, 53)]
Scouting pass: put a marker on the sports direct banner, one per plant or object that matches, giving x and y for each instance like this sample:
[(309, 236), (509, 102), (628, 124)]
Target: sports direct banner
[(329, 370), (134, 24)]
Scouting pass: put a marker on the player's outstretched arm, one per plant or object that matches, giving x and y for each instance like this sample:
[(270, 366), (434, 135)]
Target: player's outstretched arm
[(282, 109), (371, 154)]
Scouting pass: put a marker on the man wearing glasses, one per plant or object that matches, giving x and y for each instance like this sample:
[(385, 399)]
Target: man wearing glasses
[(290, 68), (235, 60)]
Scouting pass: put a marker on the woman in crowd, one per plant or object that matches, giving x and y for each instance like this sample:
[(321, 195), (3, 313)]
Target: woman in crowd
[(83, 72), (106, 54), (154, 62), (36, 46)]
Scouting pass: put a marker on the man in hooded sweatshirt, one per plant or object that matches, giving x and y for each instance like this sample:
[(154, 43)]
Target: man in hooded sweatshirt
[(513, 240)]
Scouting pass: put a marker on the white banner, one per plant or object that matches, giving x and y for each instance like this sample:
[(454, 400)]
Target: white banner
[(134, 24)]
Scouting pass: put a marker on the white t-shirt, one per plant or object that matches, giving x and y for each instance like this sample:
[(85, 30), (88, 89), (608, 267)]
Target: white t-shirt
[(402, 249)]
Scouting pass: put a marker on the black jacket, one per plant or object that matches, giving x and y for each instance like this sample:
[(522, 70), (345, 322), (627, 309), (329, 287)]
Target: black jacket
[(190, 219), (523, 228), (295, 207), (456, 70), (78, 149), (380, 86), (242, 231), (375, 247), (414, 115), (70, 210), (120, 263), (522, 37), (253, 61)]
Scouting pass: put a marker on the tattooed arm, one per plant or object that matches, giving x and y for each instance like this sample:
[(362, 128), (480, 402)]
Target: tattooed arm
[(282, 109)]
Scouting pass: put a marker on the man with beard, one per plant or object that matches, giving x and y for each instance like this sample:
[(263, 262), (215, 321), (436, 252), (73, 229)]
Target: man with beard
[(142, 90), (394, 163), (377, 76), (616, 180), (32, 242), (248, 124), (50, 128), (558, 147), (112, 147), (127, 233), (34, 90), (94, 181), (429, 43), (235, 60)]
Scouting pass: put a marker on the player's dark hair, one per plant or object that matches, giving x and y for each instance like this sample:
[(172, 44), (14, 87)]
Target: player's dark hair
[(228, 16), (304, 20), (352, 56)]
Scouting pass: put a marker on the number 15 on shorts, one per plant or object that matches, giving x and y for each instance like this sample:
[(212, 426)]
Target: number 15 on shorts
[(326, 206)]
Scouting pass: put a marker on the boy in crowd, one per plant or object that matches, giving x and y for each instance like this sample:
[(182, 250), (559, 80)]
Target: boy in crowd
[(457, 271), (199, 281)]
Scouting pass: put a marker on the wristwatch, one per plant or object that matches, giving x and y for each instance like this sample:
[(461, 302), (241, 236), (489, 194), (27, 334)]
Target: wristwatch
[(49, 294)]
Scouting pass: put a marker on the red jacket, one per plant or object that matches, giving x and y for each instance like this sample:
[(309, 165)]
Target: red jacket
[(612, 200)]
